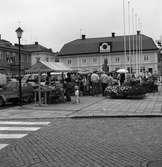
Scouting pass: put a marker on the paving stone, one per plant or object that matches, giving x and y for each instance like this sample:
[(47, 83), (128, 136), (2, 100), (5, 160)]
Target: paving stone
[(112, 142)]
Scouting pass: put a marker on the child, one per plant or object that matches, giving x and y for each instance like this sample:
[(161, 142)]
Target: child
[(77, 99)]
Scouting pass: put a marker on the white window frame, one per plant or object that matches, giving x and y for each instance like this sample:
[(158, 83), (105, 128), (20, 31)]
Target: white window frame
[(69, 61), (94, 60), (84, 61), (128, 59), (146, 58), (117, 60)]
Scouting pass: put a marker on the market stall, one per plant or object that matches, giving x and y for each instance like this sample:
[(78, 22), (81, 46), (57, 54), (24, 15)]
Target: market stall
[(48, 90)]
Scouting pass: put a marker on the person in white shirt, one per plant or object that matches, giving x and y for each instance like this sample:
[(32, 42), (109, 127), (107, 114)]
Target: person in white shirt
[(104, 81), (95, 82), (77, 99)]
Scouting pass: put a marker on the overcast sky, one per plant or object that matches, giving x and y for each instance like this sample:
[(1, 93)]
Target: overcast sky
[(55, 22)]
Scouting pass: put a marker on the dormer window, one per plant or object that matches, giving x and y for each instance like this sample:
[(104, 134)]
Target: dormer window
[(105, 47)]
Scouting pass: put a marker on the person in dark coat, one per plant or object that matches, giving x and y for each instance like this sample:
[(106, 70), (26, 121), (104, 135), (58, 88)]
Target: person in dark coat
[(122, 78), (68, 87)]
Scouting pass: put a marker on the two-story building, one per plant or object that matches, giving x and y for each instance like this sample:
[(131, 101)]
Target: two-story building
[(30, 54), (9, 58), (39, 52), (138, 54)]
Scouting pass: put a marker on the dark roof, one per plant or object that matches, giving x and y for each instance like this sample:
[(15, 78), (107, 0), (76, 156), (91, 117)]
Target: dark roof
[(91, 45), (9, 46), (26, 48), (5, 43), (36, 48)]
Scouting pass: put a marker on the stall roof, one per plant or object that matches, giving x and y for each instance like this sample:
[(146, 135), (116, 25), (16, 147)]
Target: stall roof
[(43, 66)]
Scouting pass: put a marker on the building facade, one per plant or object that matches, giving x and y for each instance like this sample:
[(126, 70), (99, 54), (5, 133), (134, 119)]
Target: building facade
[(160, 62), (30, 54), (9, 58), (140, 53), (39, 52)]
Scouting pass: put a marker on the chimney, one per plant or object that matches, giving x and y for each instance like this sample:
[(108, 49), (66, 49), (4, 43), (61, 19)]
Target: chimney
[(138, 32), (83, 36), (36, 43), (113, 34)]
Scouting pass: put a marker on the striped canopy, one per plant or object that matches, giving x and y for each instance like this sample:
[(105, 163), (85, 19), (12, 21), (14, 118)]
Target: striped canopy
[(43, 66)]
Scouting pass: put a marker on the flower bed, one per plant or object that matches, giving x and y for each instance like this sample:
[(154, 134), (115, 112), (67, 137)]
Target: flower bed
[(116, 91)]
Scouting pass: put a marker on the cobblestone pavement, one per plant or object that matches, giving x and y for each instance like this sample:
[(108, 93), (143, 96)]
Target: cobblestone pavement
[(150, 105), (48, 111), (102, 142), (90, 106), (11, 131)]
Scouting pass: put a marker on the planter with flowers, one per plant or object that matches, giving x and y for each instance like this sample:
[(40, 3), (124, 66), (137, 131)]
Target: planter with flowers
[(129, 90), (125, 91)]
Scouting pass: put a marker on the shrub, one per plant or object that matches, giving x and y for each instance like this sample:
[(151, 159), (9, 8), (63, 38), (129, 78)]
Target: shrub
[(150, 85), (125, 91)]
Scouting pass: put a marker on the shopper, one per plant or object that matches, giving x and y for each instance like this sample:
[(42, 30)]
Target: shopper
[(67, 86), (104, 82), (95, 82)]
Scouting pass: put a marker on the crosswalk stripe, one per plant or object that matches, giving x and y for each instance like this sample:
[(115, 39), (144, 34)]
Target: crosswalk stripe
[(19, 128), (3, 145), (22, 126), (23, 123), (11, 136)]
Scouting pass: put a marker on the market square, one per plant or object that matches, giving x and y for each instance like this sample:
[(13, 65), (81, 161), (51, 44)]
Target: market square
[(80, 83)]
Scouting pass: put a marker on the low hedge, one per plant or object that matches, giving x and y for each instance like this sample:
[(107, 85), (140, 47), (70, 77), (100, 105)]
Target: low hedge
[(150, 86)]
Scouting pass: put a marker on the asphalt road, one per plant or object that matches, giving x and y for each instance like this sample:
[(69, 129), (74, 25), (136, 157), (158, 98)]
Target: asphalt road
[(102, 142)]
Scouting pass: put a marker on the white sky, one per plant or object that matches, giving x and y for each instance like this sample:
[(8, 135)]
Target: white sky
[(54, 22)]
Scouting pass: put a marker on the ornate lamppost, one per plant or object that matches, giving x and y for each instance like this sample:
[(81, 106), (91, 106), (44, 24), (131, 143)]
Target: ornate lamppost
[(19, 32)]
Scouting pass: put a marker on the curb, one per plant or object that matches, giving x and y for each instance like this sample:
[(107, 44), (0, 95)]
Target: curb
[(85, 117), (117, 116), (34, 118)]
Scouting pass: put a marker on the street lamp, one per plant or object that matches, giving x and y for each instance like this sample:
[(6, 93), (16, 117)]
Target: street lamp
[(19, 32)]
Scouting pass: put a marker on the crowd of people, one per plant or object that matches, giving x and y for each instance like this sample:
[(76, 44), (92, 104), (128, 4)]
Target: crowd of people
[(93, 84), (87, 84)]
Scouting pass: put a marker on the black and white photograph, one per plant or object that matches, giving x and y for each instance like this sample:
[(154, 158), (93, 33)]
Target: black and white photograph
[(81, 83)]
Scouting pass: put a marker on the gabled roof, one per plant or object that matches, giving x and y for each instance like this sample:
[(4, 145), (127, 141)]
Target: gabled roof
[(91, 45), (36, 48), (8, 45), (5, 43)]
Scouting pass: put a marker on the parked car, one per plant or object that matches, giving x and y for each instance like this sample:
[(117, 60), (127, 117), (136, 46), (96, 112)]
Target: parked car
[(10, 93)]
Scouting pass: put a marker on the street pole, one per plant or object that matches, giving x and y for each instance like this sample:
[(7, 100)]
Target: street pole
[(19, 32), (20, 88)]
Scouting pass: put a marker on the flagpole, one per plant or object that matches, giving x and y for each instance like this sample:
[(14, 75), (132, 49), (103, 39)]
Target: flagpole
[(129, 44), (133, 37), (139, 44), (136, 54), (125, 54), (141, 38)]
